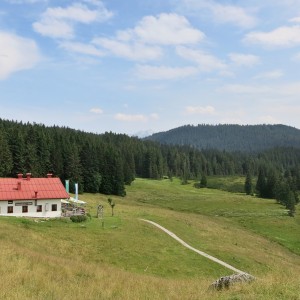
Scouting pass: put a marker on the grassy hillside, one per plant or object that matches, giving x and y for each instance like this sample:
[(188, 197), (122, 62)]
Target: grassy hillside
[(263, 216), (130, 259)]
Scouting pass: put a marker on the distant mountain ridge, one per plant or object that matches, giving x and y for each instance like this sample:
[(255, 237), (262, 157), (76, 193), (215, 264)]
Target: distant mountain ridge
[(245, 138)]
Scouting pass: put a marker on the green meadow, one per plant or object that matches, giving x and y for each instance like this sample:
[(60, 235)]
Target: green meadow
[(122, 257)]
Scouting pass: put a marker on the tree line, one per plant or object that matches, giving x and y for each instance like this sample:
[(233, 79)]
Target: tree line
[(272, 184), (107, 162)]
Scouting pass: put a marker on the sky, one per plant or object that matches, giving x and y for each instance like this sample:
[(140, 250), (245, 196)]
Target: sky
[(139, 67)]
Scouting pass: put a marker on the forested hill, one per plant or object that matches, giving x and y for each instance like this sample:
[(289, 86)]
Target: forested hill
[(245, 138), (107, 162)]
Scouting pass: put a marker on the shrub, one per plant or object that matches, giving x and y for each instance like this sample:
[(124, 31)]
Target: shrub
[(197, 185), (78, 219)]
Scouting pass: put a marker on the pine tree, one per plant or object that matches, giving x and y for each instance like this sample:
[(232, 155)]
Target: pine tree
[(291, 204), (17, 148), (73, 168), (185, 175), (6, 163), (248, 184), (90, 169), (203, 181), (261, 183), (272, 180)]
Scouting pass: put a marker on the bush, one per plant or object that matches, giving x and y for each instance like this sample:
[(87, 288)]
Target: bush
[(78, 219), (197, 185)]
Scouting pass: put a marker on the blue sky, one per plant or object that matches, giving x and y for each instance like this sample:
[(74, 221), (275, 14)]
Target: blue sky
[(151, 65)]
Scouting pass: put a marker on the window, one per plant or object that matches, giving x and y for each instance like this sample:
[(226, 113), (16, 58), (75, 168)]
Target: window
[(24, 209), (10, 209), (39, 208), (54, 207)]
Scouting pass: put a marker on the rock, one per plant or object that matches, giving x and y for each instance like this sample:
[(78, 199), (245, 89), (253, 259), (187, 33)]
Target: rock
[(227, 281)]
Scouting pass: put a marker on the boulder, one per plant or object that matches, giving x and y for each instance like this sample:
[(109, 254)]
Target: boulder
[(227, 281)]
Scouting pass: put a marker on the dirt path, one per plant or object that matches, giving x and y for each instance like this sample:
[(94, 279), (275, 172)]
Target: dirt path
[(174, 236)]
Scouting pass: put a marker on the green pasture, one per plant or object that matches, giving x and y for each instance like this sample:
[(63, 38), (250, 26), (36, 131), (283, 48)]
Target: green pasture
[(262, 216), (122, 257)]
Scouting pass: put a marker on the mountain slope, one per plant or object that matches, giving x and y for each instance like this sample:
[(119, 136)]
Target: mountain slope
[(247, 138)]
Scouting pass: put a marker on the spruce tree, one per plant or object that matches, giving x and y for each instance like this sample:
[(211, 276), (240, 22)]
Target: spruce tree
[(203, 181), (248, 184), (261, 183), (6, 163), (291, 204)]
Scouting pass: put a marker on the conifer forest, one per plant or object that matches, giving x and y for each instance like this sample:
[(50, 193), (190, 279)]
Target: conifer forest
[(107, 162)]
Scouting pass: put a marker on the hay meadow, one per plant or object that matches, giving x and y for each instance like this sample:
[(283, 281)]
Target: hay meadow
[(122, 257)]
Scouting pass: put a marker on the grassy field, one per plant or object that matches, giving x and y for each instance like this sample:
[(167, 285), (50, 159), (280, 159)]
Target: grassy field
[(234, 184), (129, 259)]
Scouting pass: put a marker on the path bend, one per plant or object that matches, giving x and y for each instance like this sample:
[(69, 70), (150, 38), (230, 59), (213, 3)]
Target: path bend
[(174, 236)]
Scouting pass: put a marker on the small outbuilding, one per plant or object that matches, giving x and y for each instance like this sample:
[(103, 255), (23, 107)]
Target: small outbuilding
[(32, 197)]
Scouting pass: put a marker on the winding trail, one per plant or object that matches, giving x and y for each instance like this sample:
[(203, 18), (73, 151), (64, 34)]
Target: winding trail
[(174, 236)]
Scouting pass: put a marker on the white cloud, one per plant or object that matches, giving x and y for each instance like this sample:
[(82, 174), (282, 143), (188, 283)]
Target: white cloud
[(78, 13), (219, 13), (166, 29), (205, 61), (164, 73), (16, 54), (285, 36), (144, 42), (58, 22), (131, 118), (54, 28), (81, 48), (132, 51), (201, 110), (247, 60), (275, 74), (232, 14), (96, 110)]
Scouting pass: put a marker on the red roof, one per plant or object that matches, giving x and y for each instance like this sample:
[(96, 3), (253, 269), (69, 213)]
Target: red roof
[(31, 189)]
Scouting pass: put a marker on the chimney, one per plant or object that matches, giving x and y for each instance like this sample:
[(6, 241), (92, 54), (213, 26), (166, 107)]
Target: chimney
[(20, 175), (49, 175), (19, 186), (35, 194), (28, 176)]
